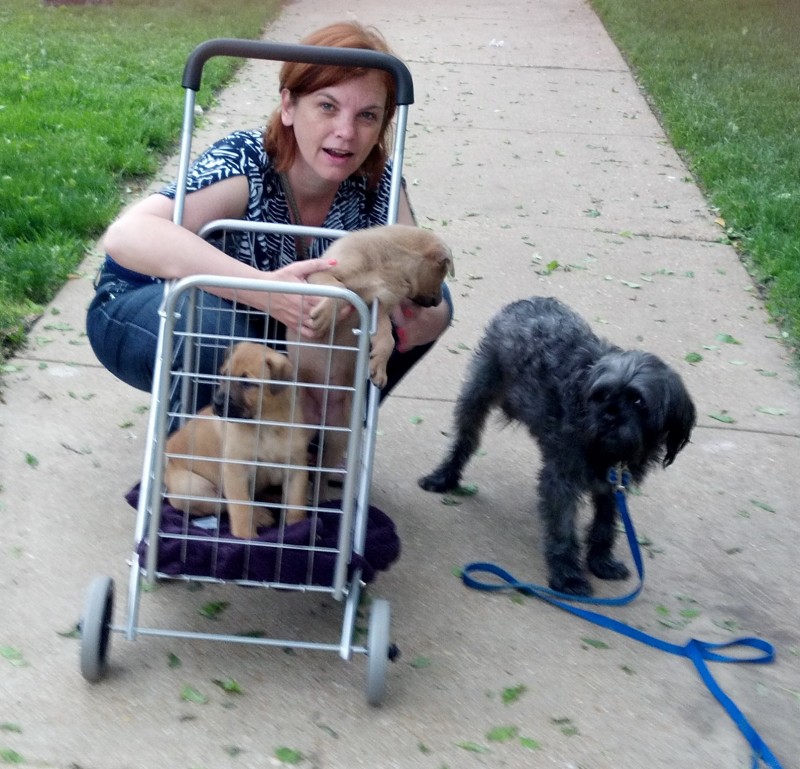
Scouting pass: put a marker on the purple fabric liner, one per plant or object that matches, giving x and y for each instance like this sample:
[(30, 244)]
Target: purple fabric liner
[(208, 556)]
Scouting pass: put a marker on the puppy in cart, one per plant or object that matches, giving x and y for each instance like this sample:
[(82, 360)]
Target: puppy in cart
[(244, 443), (590, 405)]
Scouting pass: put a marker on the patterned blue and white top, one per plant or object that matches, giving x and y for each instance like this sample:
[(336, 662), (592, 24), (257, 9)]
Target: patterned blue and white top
[(241, 153)]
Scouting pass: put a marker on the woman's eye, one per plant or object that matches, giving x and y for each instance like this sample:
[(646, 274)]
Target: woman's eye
[(372, 117)]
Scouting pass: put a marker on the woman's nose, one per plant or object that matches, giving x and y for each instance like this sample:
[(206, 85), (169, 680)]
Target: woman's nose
[(345, 126)]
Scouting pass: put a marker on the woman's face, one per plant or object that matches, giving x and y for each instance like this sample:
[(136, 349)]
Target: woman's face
[(336, 127)]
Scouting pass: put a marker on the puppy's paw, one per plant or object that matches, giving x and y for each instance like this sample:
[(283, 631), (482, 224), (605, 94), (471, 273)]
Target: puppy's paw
[(571, 584), (377, 372), (606, 567), (323, 315), (295, 516), (440, 480)]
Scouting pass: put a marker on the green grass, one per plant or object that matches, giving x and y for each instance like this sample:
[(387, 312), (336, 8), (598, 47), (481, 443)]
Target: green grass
[(90, 100), (724, 77)]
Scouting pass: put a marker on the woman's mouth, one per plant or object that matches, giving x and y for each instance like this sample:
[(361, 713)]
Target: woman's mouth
[(338, 154)]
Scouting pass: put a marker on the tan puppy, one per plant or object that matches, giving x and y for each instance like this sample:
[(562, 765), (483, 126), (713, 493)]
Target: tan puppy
[(247, 424), (390, 264)]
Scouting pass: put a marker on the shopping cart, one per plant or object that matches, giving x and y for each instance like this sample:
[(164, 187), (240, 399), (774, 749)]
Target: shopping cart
[(318, 546)]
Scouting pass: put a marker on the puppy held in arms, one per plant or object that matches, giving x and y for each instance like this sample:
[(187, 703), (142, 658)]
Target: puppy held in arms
[(388, 264), (590, 406), (242, 444)]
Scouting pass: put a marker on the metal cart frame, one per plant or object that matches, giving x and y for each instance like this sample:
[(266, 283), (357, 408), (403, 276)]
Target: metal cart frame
[(97, 619)]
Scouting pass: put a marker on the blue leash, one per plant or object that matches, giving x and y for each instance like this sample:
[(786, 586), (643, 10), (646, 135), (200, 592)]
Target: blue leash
[(699, 652)]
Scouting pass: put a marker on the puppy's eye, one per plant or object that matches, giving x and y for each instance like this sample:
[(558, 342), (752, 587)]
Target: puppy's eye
[(247, 383)]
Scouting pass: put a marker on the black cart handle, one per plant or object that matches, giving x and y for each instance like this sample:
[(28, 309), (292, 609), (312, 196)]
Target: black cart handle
[(307, 54)]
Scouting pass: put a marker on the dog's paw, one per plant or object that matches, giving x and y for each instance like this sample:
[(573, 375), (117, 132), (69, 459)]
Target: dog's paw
[(608, 568), (377, 373), (440, 480), (323, 314), (571, 584)]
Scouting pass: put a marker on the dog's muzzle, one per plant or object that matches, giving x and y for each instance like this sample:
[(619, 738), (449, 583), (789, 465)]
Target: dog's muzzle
[(427, 301), (225, 407)]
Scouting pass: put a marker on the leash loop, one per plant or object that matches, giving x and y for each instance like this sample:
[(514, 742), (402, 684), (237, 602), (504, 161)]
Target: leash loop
[(489, 577)]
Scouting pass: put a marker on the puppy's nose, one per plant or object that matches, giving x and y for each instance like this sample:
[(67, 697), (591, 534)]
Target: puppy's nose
[(427, 301)]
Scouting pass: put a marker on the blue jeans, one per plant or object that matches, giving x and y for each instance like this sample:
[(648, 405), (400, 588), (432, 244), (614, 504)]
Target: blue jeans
[(122, 324)]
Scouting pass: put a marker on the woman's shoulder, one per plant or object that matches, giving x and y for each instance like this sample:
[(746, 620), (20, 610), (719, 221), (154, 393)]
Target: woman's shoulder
[(240, 153), (247, 144)]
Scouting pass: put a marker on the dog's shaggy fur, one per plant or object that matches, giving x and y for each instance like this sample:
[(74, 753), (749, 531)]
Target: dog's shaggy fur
[(590, 406)]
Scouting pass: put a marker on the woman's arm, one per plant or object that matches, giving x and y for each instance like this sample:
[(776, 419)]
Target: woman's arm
[(145, 239)]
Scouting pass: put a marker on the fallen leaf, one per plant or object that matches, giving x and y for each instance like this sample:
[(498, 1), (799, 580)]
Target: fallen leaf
[(230, 686), (473, 747), (73, 632), (595, 644), (288, 756), (502, 734), (13, 655), (772, 411), (213, 609), (723, 416), (190, 694), (513, 693)]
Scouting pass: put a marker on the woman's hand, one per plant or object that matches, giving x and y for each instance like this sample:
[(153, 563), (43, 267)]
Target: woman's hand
[(294, 310)]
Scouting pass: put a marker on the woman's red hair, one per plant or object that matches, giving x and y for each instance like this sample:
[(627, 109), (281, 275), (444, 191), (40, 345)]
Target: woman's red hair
[(302, 79)]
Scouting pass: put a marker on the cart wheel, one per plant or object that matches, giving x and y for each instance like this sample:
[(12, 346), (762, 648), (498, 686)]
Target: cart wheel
[(379, 650), (96, 628)]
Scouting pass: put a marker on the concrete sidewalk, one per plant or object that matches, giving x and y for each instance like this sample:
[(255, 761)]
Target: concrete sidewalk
[(532, 151)]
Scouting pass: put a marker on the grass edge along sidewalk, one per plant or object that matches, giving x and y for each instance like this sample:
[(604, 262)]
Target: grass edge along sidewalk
[(724, 80)]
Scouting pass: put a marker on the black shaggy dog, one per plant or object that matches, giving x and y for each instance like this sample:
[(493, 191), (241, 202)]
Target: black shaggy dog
[(590, 406)]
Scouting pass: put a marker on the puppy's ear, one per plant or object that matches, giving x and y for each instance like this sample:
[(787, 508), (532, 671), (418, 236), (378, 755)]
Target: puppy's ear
[(680, 420), (445, 257), (225, 368), (279, 368)]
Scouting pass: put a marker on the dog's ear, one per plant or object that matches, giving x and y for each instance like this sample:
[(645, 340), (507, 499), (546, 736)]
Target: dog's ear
[(680, 419), (225, 368), (279, 368), (435, 250), (445, 257)]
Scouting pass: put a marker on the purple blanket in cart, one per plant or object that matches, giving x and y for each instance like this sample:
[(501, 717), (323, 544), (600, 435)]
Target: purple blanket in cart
[(203, 553)]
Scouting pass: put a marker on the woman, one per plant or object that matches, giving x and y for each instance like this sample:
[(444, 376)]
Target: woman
[(322, 161)]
